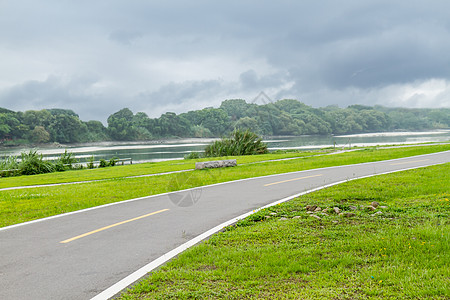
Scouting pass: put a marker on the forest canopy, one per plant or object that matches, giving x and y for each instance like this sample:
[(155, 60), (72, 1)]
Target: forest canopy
[(283, 117)]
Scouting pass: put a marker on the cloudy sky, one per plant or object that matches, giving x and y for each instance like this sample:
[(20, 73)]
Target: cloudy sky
[(97, 57)]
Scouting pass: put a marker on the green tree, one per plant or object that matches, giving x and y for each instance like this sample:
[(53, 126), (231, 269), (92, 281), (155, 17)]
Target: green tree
[(5, 129), (39, 135), (120, 125), (247, 123), (67, 128), (34, 118), (171, 125), (96, 131), (201, 131), (236, 108), (343, 121), (215, 119), (141, 123)]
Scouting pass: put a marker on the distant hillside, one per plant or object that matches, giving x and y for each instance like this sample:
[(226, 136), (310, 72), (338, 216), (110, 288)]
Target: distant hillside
[(284, 117)]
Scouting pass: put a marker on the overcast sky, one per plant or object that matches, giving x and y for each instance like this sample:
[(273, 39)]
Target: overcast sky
[(97, 57)]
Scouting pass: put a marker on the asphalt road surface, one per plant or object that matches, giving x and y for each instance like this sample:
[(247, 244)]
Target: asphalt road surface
[(79, 255)]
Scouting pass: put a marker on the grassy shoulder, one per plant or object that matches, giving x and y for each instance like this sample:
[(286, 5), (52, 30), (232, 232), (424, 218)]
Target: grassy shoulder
[(17, 206), (121, 171), (284, 253), (179, 165)]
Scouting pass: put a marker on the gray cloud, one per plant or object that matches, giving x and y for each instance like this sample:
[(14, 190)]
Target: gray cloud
[(125, 37), (98, 57)]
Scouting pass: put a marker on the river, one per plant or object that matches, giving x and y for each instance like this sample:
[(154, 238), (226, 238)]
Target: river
[(177, 149)]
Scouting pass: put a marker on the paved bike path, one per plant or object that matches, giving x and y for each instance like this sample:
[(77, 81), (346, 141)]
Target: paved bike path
[(79, 255)]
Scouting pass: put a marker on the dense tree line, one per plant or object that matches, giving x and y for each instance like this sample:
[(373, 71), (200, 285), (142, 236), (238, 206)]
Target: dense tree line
[(284, 117)]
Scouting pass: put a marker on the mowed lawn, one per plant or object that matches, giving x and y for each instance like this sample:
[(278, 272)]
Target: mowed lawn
[(400, 250)]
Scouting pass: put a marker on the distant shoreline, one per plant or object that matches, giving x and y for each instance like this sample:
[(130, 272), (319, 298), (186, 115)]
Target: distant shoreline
[(208, 140)]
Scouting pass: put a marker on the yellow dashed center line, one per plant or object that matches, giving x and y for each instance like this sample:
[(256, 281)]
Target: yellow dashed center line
[(409, 162), (292, 179), (111, 226)]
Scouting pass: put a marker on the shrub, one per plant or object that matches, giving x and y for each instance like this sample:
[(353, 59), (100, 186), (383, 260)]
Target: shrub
[(78, 167), (192, 155), (59, 167), (103, 163), (113, 161), (9, 167), (65, 161), (33, 163), (90, 164), (239, 143)]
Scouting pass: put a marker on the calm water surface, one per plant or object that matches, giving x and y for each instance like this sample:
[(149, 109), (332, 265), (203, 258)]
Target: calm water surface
[(177, 149)]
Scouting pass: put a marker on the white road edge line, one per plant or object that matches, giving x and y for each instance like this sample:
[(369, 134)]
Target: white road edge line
[(132, 278), (206, 186)]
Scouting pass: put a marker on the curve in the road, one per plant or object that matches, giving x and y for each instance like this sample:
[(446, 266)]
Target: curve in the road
[(127, 235), (132, 278)]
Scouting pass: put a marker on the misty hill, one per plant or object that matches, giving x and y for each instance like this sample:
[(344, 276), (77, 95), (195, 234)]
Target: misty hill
[(284, 117)]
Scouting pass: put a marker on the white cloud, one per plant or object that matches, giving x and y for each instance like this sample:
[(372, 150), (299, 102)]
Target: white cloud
[(429, 93)]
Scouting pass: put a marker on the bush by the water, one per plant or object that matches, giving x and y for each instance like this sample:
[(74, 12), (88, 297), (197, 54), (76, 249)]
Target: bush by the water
[(193, 155), (65, 161), (239, 143), (32, 162), (106, 163), (9, 166)]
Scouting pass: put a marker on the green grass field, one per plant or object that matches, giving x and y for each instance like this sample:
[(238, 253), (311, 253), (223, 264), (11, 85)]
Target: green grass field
[(23, 205), (120, 171), (284, 253)]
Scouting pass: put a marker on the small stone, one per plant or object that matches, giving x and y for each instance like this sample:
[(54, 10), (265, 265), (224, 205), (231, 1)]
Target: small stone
[(267, 217), (325, 210), (335, 222), (309, 212), (336, 210), (318, 209), (370, 207), (317, 217), (341, 214), (297, 217), (349, 215), (273, 214), (375, 204), (377, 213), (311, 207), (283, 219), (352, 207), (324, 214), (383, 207), (308, 207)]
